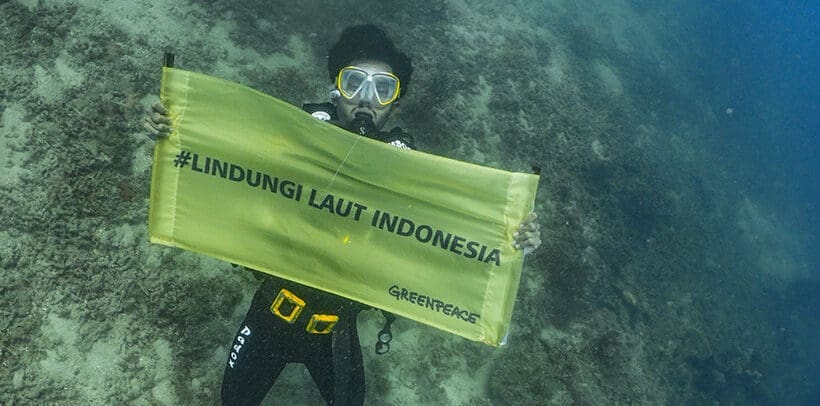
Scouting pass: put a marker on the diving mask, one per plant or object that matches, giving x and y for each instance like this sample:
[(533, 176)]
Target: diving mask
[(355, 82)]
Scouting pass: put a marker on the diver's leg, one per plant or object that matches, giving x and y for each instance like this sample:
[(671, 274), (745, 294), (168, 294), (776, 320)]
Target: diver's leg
[(319, 362), (255, 359), (357, 369), (338, 370)]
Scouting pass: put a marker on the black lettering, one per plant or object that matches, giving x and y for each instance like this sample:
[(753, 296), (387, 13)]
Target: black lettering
[(481, 254), (194, 166), (255, 182), (493, 256), (471, 252), (438, 238), (387, 220), (311, 201), (426, 235), (298, 193), (219, 169), (270, 184), (448, 308), (394, 291), (359, 209), (458, 242), (409, 231), (327, 203), (207, 165), (237, 173), (422, 300), (287, 188), (346, 211), (375, 218)]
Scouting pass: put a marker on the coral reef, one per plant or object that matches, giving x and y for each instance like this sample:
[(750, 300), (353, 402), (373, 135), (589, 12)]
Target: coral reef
[(645, 290)]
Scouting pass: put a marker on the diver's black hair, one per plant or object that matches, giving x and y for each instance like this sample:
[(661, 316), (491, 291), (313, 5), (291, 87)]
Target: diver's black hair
[(368, 42)]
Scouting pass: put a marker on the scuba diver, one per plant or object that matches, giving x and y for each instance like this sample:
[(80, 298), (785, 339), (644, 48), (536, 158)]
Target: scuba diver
[(370, 76)]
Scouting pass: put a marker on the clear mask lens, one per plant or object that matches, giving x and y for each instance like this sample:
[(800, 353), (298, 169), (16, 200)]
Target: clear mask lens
[(380, 87)]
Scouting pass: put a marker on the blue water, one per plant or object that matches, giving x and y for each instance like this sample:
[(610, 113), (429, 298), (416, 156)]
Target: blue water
[(762, 60), (763, 63)]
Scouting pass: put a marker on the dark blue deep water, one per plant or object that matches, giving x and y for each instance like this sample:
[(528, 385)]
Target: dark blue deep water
[(761, 59)]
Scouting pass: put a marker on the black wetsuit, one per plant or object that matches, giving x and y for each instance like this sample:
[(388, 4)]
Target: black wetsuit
[(266, 342)]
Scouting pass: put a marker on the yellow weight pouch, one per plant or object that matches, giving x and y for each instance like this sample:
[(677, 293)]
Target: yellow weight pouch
[(292, 303), (322, 323)]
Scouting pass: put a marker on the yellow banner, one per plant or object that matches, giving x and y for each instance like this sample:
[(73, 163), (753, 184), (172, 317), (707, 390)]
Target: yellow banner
[(252, 180)]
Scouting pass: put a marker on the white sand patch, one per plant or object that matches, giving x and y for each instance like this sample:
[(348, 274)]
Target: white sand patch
[(775, 244), (555, 337), (478, 34), (608, 78), (482, 98), (299, 55), (599, 150), (93, 372), (175, 23), (616, 23), (143, 155), (123, 236), (558, 66), (103, 374), (168, 21), (29, 4), (162, 364), (68, 75), (403, 387), (51, 81), (13, 134), (410, 363), (463, 384)]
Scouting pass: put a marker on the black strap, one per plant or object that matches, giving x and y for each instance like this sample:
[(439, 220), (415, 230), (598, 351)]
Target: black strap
[(384, 337), (389, 319), (168, 61)]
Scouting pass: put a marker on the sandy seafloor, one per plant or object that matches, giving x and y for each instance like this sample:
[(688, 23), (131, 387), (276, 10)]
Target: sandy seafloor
[(659, 280)]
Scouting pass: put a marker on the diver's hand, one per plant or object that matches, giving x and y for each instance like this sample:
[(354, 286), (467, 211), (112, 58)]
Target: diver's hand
[(527, 236), (157, 122)]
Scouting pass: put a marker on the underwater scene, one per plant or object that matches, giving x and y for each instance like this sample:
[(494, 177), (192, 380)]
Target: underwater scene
[(676, 259)]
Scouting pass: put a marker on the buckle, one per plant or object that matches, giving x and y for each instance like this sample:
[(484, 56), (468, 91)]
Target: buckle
[(322, 323), (294, 301)]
